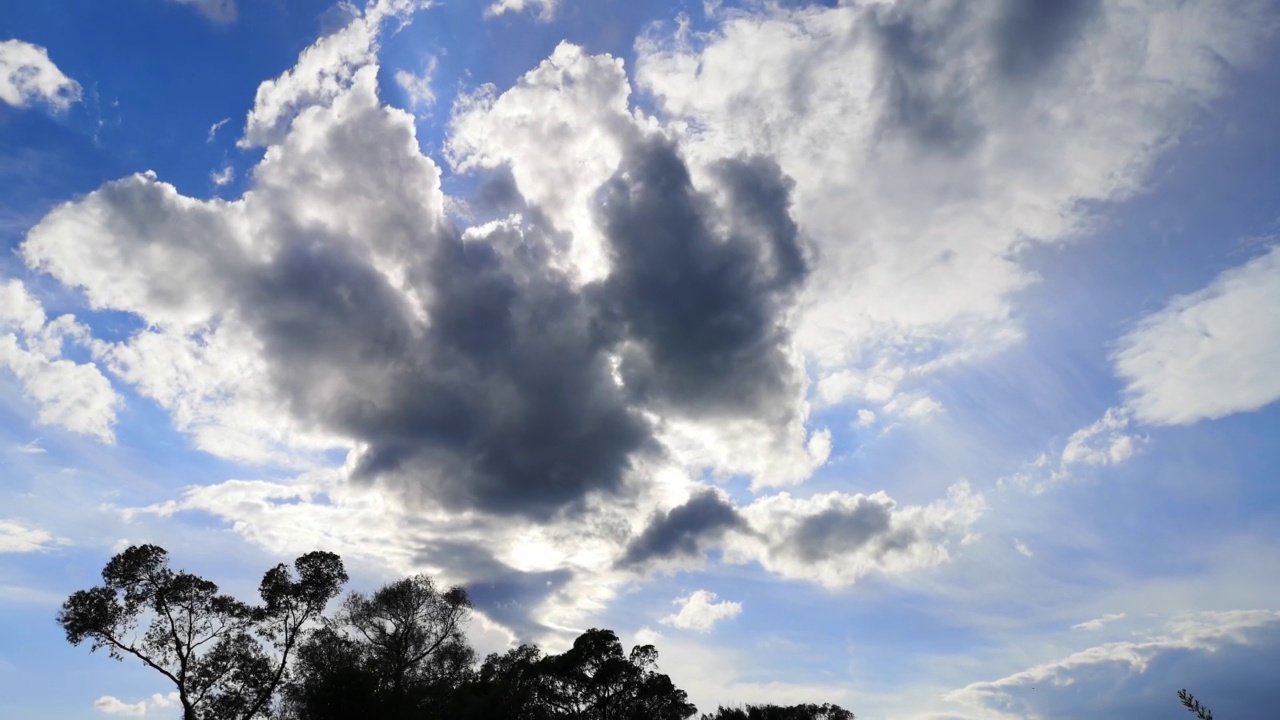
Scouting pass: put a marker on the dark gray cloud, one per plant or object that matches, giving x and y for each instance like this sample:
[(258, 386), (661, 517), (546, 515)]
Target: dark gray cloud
[(840, 530), (1030, 35), (504, 594), (505, 400), (681, 531), (938, 56), (697, 296), (927, 93)]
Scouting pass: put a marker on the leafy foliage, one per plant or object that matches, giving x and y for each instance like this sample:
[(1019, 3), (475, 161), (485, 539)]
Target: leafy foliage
[(1190, 703), (810, 711), (396, 654), (391, 654), (593, 680), (225, 658)]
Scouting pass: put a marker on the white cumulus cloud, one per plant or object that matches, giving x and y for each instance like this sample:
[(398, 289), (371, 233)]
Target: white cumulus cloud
[(28, 76), (1208, 354), (75, 396), (699, 611)]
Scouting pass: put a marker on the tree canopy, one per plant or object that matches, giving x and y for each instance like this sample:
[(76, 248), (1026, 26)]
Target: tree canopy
[(226, 658), (395, 654)]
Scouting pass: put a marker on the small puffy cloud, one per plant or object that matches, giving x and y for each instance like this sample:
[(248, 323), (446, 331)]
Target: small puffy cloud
[(699, 611), (28, 76), (546, 8), (112, 705), (1103, 442), (684, 531), (836, 538), (913, 407), (1227, 659), (17, 537), (1097, 623), (865, 419), (219, 11), (223, 176), (1208, 354)]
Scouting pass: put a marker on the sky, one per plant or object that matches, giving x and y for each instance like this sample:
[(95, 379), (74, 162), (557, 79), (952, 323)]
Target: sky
[(913, 355)]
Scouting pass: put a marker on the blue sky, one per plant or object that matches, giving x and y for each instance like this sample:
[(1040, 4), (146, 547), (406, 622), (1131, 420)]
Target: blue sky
[(912, 355)]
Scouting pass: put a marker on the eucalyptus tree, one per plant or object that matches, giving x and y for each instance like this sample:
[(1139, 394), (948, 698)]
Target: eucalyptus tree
[(226, 658)]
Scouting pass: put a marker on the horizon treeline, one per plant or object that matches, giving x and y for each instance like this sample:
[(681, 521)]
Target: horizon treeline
[(399, 653)]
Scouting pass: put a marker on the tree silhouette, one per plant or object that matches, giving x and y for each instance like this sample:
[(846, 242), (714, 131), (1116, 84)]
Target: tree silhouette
[(1190, 703), (395, 653), (826, 711), (225, 658)]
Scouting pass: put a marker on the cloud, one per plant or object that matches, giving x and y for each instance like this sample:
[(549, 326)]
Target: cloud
[(700, 612), (504, 594), (546, 8), (223, 176), (1029, 38), (71, 395), (28, 76), (324, 71), (219, 11), (1097, 623), (1208, 354), (418, 87), (1103, 443), (1022, 548), (702, 310), (534, 578), (214, 128), (560, 132), (930, 141), (333, 306), (836, 538), (628, 296), (114, 706), (1224, 658), (684, 531), (16, 537)]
